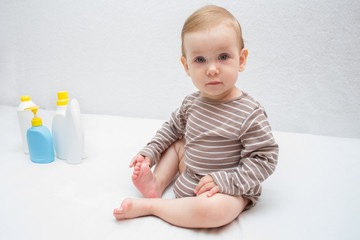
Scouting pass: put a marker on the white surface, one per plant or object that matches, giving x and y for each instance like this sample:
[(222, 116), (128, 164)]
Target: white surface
[(123, 57), (313, 194)]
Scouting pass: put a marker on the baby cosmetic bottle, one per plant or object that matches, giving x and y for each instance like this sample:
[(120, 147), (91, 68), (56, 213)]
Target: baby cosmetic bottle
[(74, 134), (39, 140), (58, 125), (25, 119)]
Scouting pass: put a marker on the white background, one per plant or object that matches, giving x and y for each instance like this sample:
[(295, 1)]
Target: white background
[(123, 58)]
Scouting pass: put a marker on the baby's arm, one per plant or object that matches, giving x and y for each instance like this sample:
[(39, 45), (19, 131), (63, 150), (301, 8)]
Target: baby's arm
[(258, 158), (170, 132)]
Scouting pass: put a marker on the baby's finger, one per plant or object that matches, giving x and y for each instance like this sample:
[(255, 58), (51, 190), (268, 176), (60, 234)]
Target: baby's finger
[(202, 182), (135, 160), (132, 163), (199, 186), (206, 188), (137, 167), (213, 191)]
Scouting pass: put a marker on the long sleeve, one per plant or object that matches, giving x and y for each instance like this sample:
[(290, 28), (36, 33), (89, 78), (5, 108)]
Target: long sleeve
[(258, 158), (169, 133)]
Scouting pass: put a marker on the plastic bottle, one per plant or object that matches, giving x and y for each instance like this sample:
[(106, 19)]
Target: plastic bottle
[(39, 140), (74, 133), (25, 119), (58, 125)]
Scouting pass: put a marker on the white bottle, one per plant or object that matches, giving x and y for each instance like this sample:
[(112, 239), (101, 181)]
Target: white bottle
[(25, 117), (74, 133), (58, 125)]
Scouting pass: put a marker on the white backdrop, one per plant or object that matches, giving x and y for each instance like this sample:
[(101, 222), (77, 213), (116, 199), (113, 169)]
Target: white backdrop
[(123, 57)]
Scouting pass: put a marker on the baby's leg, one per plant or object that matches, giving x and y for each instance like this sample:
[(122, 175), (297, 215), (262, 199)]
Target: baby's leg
[(190, 212), (152, 185)]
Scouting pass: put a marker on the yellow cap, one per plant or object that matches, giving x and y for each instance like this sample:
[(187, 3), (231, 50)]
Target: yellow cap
[(36, 121), (63, 98), (25, 98)]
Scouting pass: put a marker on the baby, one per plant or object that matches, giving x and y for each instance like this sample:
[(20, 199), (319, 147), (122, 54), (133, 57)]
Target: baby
[(219, 140)]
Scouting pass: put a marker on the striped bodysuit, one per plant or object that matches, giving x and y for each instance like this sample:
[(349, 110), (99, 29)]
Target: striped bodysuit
[(230, 140)]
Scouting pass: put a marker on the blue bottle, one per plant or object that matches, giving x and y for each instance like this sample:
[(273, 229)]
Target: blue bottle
[(39, 139)]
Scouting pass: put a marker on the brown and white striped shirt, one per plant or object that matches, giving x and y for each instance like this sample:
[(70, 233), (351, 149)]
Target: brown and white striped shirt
[(229, 140)]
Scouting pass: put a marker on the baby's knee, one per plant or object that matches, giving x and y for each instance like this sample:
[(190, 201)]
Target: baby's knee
[(209, 207), (221, 208)]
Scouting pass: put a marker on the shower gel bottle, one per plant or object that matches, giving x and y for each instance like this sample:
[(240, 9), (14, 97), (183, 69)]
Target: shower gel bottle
[(39, 140)]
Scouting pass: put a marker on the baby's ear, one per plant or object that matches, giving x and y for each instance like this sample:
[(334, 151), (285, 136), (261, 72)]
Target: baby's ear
[(243, 57), (186, 66)]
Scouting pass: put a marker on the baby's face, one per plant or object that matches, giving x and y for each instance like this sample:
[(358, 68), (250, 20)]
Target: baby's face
[(213, 61)]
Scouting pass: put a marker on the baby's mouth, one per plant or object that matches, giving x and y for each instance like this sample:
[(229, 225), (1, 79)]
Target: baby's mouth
[(214, 83)]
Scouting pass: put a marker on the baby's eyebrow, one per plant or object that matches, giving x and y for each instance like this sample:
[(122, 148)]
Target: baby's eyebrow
[(196, 53), (224, 49)]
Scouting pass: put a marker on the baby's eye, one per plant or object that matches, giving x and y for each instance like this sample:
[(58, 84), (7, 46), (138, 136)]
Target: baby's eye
[(200, 60), (223, 57)]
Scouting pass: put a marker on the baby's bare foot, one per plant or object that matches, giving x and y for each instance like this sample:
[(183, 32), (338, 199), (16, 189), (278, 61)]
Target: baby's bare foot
[(131, 208), (145, 181)]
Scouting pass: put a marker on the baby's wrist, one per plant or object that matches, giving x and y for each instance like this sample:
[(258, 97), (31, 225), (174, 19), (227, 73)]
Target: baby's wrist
[(148, 161)]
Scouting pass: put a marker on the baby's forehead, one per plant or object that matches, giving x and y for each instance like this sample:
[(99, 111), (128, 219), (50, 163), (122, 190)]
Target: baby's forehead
[(216, 33), (198, 44), (214, 26)]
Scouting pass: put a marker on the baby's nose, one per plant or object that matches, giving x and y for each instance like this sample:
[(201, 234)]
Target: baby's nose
[(213, 69)]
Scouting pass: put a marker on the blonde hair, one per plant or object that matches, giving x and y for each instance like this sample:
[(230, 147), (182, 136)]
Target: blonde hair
[(207, 17)]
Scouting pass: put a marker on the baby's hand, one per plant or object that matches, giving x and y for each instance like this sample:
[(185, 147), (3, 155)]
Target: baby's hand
[(207, 184), (138, 159)]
